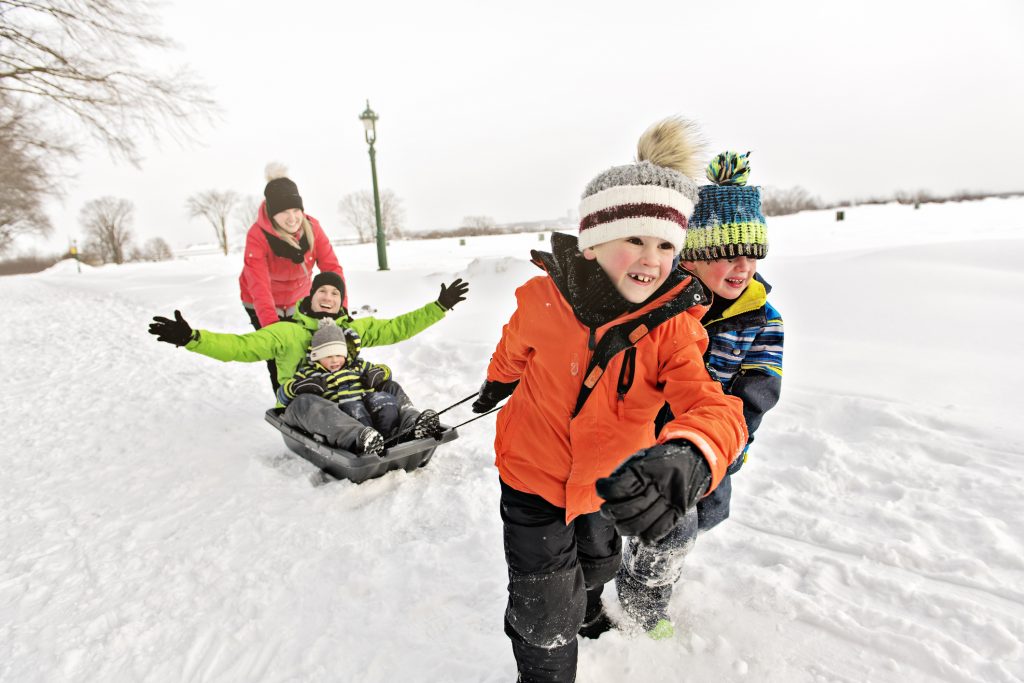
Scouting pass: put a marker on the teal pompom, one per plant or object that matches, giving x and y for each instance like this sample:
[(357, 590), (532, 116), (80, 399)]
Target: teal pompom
[(729, 168)]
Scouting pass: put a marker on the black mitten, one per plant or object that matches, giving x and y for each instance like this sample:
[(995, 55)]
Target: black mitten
[(314, 384), (175, 331), (648, 493), (452, 294), (492, 393), (375, 376)]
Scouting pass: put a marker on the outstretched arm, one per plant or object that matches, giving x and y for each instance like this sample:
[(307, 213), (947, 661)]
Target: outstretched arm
[(376, 332), (177, 331)]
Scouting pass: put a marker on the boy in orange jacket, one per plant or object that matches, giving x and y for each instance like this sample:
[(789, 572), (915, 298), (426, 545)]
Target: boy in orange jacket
[(594, 349)]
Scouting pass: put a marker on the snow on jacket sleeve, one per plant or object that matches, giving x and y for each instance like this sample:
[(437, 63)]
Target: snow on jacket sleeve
[(376, 332), (704, 415), (257, 276), (323, 254)]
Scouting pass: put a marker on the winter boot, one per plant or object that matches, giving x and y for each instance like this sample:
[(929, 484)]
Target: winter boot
[(663, 630), (595, 625), (371, 443), (595, 618), (428, 424)]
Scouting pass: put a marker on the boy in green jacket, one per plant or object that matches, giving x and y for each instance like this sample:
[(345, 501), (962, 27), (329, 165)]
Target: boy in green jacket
[(287, 342)]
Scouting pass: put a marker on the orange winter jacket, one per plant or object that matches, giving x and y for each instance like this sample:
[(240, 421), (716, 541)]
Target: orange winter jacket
[(543, 449)]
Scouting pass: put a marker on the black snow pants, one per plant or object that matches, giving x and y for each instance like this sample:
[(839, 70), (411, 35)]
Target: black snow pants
[(555, 571), (378, 409), (316, 415)]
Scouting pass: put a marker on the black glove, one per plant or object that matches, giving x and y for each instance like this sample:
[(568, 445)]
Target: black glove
[(452, 294), (375, 376), (175, 331), (491, 393), (648, 493), (314, 384)]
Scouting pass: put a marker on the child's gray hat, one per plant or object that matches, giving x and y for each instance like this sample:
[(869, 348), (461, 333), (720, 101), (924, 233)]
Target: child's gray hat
[(329, 340), (653, 197)]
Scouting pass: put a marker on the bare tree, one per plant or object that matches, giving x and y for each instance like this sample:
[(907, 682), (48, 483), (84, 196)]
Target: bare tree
[(84, 58), (27, 174), (155, 249), (216, 207), (245, 215), (107, 225), (357, 209), (778, 202), (478, 222)]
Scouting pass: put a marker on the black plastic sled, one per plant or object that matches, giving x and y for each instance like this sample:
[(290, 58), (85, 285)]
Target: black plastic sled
[(343, 464)]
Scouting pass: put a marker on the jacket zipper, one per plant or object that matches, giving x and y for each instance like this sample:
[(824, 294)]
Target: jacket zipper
[(626, 375)]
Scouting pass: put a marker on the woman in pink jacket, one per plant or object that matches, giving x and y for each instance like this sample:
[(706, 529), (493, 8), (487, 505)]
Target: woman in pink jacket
[(281, 249)]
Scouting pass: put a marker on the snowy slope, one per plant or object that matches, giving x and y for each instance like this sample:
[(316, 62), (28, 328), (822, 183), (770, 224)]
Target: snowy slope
[(155, 528)]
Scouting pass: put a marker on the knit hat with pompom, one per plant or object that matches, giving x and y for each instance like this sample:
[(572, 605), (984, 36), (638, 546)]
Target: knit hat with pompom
[(652, 197), (328, 340), (281, 193), (727, 221)]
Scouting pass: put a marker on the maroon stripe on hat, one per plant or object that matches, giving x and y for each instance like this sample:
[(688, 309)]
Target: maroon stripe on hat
[(621, 211)]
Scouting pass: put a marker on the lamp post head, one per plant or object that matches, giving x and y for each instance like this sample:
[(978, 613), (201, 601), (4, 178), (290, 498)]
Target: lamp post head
[(369, 119)]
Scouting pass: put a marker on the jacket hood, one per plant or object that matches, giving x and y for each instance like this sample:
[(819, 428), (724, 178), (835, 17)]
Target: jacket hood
[(584, 284)]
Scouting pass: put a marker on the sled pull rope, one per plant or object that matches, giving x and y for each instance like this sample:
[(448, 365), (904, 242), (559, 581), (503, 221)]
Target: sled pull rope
[(492, 410), (458, 403)]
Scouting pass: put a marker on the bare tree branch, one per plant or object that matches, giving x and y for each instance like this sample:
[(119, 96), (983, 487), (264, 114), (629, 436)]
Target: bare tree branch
[(27, 175), (217, 208), (107, 225), (85, 58), (357, 209)]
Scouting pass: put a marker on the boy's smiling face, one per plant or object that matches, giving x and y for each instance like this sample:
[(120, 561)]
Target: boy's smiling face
[(637, 266), (725, 277)]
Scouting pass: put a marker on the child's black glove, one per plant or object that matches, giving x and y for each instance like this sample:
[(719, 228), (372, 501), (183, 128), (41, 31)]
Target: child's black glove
[(375, 376), (491, 393), (175, 331), (314, 384), (648, 493), (452, 294)]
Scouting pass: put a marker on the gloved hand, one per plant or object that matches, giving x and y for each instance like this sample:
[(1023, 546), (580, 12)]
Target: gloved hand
[(452, 294), (375, 376), (648, 493), (175, 331), (314, 384), (492, 393)]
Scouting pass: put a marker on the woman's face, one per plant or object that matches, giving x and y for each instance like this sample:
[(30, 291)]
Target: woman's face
[(326, 299), (290, 220)]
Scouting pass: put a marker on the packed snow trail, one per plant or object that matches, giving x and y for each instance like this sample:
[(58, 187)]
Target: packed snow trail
[(155, 528)]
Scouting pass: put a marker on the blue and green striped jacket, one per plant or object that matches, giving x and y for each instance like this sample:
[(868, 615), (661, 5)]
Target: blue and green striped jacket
[(745, 354)]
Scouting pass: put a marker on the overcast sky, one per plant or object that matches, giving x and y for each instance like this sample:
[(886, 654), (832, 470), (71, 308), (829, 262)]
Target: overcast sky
[(508, 109)]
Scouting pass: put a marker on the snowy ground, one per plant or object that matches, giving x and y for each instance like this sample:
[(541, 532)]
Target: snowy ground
[(155, 528)]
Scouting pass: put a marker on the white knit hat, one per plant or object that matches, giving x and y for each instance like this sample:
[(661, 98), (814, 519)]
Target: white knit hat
[(653, 197), (329, 340)]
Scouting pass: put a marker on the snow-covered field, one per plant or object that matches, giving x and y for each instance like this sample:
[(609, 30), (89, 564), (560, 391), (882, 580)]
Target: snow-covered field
[(155, 528)]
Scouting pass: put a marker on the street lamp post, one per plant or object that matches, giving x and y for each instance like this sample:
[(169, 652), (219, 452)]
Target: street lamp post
[(369, 119)]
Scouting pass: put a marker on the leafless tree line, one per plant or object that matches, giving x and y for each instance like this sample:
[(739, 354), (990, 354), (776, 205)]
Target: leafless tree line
[(82, 62)]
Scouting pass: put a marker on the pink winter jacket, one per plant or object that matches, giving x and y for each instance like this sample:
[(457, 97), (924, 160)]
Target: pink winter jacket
[(269, 282)]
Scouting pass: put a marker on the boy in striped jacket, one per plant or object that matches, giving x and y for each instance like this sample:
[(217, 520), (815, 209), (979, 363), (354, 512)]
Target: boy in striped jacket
[(336, 377), (725, 239)]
